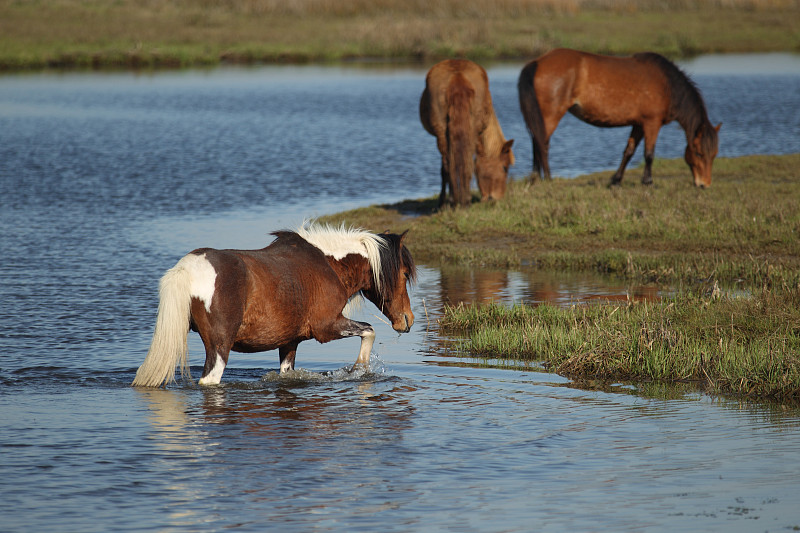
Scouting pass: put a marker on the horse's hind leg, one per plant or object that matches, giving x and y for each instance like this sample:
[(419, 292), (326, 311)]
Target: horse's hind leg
[(216, 361), (630, 148), (217, 339), (445, 183), (287, 354)]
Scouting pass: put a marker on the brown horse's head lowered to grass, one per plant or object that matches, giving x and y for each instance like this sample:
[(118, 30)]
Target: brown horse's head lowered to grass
[(456, 107), (645, 91)]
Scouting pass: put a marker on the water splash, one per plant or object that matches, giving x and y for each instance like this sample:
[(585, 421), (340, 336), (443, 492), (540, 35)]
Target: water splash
[(374, 371)]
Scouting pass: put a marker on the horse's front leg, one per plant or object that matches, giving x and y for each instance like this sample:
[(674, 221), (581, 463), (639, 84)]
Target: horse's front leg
[(650, 135), (343, 327), (633, 142), (367, 334)]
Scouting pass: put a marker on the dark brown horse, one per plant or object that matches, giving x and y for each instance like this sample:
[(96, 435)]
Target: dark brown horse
[(293, 290), (456, 107), (645, 91)]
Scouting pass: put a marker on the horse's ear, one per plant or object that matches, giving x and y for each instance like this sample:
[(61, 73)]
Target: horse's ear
[(403, 236), (717, 127), (507, 146)]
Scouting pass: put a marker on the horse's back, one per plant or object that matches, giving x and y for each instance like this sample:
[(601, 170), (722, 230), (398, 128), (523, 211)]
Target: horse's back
[(602, 90), (449, 79)]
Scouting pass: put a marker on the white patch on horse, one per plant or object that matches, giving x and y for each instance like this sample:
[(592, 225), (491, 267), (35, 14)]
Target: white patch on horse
[(215, 376), (203, 277), (342, 241)]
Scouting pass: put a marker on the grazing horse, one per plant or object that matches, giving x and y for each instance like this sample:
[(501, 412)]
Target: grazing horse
[(645, 91), (293, 290), (456, 107)]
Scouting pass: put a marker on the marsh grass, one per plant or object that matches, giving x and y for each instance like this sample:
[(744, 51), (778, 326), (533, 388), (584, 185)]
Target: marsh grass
[(740, 235), (151, 33), (744, 230), (743, 346)]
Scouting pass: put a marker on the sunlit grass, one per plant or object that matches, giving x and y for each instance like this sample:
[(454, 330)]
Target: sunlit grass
[(747, 346), (96, 33), (745, 229)]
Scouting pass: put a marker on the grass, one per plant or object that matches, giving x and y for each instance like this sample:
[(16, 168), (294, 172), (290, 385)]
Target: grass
[(151, 33), (745, 229), (742, 232), (748, 347)]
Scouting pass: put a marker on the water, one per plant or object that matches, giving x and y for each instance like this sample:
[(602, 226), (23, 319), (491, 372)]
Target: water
[(106, 180)]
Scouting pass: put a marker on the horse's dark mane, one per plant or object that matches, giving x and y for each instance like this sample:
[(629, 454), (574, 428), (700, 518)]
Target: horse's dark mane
[(686, 103), (392, 262)]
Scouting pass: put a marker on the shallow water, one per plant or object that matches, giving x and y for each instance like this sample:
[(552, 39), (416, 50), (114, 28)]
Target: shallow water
[(107, 179)]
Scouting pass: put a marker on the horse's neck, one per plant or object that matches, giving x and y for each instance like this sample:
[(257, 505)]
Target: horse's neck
[(354, 271)]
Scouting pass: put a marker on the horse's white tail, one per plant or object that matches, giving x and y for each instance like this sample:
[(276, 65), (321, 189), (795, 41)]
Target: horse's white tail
[(168, 347)]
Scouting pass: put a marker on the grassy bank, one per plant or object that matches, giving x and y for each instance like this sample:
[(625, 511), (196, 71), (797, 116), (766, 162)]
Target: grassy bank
[(741, 233), (150, 33), (744, 346), (745, 229)]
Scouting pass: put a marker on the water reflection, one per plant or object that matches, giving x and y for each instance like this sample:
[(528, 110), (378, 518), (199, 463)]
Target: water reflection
[(483, 286)]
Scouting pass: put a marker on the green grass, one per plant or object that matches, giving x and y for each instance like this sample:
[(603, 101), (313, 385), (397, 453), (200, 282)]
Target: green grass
[(748, 347), (176, 33), (741, 233), (745, 229)]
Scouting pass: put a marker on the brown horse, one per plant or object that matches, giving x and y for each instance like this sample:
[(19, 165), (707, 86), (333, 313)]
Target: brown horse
[(645, 91), (456, 107), (293, 290)]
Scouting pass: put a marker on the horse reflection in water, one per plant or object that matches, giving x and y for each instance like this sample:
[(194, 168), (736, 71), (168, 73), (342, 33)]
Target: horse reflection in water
[(645, 91), (293, 290), (488, 286)]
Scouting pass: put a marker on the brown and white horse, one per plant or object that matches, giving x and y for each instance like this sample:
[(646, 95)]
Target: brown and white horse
[(456, 107), (293, 290), (645, 91)]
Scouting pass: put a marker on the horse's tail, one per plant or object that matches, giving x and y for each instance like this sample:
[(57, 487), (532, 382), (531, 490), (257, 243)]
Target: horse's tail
[(532, 113), (168, 347), (460, 138)]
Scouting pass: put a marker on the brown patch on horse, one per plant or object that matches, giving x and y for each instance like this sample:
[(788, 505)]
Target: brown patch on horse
[(293, 290), (456, 107), (644, 91)]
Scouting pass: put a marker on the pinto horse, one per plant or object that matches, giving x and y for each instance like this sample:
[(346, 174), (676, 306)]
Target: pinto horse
[(293, 290), (645, 91), (456, 107)]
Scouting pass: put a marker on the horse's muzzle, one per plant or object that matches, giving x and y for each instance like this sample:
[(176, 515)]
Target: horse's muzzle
[(404, 326)]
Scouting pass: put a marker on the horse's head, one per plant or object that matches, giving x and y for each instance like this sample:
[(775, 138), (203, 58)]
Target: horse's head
[(700, 153), (397, 270), (492, 172)]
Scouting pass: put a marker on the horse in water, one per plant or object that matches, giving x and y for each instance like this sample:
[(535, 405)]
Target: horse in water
[(456, 107), (293, 290), (645, 91)]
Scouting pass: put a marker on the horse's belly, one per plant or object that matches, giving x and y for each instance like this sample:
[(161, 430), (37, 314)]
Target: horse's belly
[(598, 117), (252, 347)]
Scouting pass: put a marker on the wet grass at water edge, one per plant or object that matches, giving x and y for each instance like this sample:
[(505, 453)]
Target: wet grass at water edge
[(748, 346)]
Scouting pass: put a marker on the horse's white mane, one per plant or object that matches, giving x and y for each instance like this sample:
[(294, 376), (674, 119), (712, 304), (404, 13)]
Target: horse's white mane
[(341, 241)]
